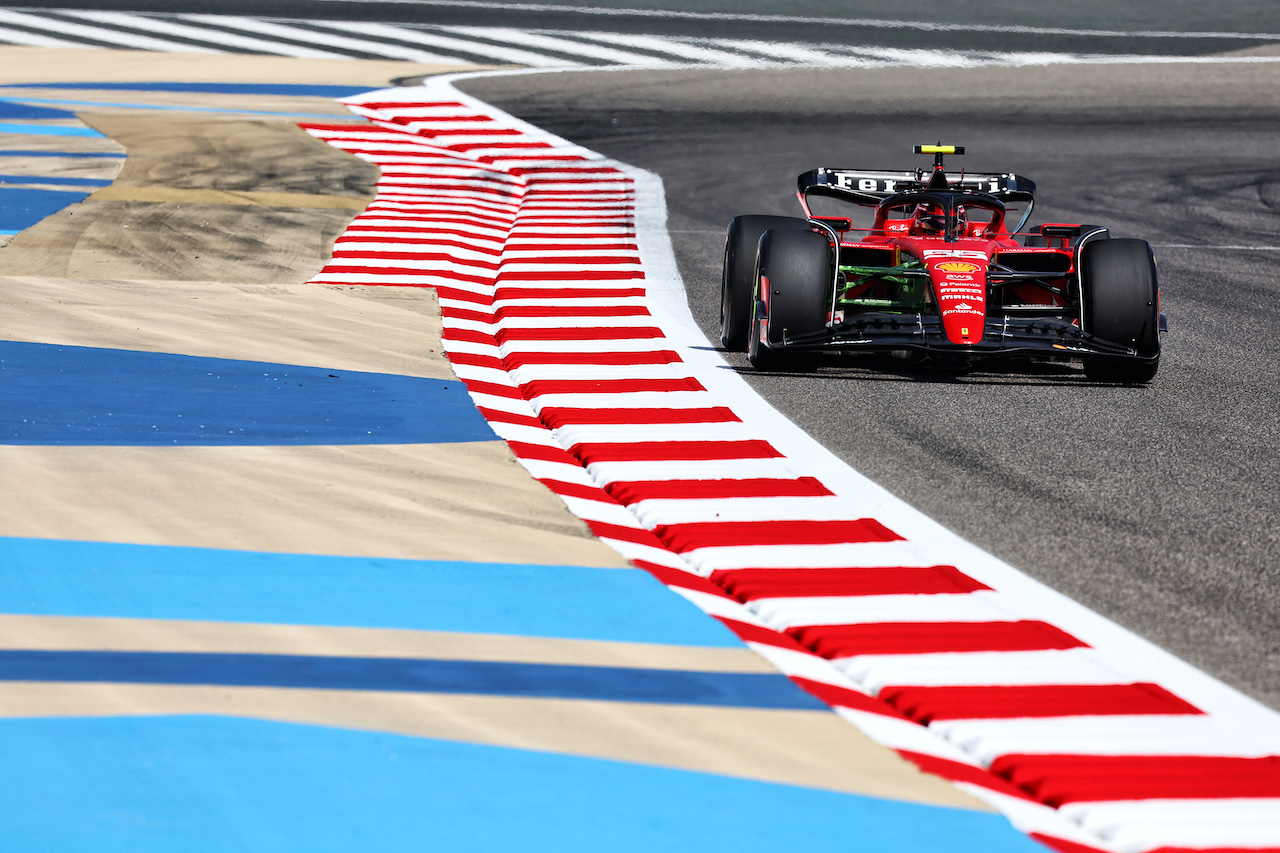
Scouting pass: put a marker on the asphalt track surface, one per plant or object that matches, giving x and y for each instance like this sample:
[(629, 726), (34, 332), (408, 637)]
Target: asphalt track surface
[(1183, 27), (1155, 506)]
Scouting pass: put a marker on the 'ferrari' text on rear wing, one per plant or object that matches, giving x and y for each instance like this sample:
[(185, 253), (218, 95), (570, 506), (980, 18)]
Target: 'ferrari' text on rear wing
[(867, 187)]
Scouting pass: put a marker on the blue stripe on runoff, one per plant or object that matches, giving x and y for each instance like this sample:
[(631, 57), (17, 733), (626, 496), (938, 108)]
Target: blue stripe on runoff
[(211, 784), (64, 395), (192, 108), (48, 129), (287, 89), (412, 675), (49, 577), (20, 208), (46, 179), (14, 110), (23, 152)]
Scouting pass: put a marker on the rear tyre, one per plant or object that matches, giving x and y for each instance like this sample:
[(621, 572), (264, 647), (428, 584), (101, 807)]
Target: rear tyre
[(737, 285), (797, 267), (1120, 303)]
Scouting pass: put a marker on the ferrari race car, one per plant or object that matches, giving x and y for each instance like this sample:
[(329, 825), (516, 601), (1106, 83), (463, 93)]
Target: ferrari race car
[(938, 276)]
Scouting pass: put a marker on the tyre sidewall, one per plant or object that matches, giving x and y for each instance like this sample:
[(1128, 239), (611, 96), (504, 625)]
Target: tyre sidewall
[(737, 284)]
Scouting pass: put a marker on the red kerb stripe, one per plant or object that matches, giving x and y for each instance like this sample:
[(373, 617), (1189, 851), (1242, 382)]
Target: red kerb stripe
[(637, 535), (957, 771), (575, 490), (500, 145), (581, 333), (1059, 779), (475, 336), (551, 258), (675, 577), (566, 292), (922, 638), (543, 452), (663, 451), (434, 132), (452, 313), (751, 584), (570, 275), (844, 697), (493, 389), (556, 416), (520, 359), (762, 487), (404, 105), (712, 534), (473, 359), (384, 272), (547, 387), (750, 633), (571, 311), (926, 704), (459, 294)]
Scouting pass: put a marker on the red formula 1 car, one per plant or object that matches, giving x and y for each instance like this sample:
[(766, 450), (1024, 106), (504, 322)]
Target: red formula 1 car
[(939, 276)]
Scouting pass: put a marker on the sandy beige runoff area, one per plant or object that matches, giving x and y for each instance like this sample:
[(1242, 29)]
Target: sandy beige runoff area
[(227, 216), (201, 246)]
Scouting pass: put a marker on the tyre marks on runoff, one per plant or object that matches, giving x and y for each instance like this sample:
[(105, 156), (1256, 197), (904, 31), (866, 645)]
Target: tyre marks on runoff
[(563, 314)]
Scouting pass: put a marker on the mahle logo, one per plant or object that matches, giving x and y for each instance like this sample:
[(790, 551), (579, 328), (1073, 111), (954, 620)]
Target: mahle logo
[(958, 266)]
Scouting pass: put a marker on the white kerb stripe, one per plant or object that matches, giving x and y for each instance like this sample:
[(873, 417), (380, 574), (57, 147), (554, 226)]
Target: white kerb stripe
[(560, 45), (980, 606), (257, 26), (99, 34), (8, 36), (502, 53), (155, 25), (980, 669), (677, 48), (1137, 734)]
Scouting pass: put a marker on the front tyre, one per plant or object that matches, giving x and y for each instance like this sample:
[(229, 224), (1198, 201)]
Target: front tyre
[(737, 285), (1120, 303), (796, 268)]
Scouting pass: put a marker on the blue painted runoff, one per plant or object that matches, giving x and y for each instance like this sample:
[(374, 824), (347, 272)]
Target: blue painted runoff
[(286, 89), (63, 395), (412, 675), (22, 152), (211, 784), (21, 208), (46, 129), (45, 179), (51, 577), (13, 109), (185, 108)]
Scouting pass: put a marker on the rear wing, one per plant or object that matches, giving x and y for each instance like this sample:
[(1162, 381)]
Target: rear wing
[(861, 187)]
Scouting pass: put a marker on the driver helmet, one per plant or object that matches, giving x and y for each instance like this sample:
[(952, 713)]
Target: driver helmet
[(929, 220)]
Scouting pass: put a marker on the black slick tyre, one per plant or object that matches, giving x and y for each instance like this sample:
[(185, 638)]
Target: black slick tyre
[(1120, 303), (796, 266), (737, 285)]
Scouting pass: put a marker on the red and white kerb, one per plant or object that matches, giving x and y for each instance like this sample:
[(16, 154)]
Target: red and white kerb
[(1086, 737)]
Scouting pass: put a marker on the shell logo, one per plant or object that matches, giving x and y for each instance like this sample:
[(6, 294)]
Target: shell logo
[(957, 266)]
